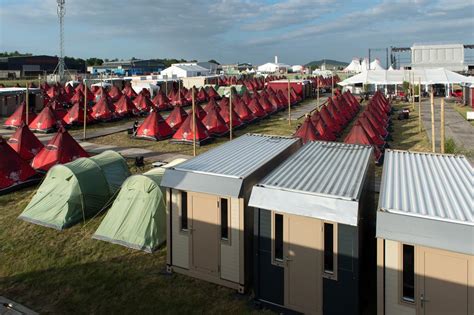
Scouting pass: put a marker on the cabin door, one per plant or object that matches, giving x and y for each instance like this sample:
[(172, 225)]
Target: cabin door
[(204, 233), (443, 282), (303, 264)]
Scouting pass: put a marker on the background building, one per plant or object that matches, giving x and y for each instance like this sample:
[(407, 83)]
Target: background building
[(450, 57), (184, 70), (21, 66), (128, 67)]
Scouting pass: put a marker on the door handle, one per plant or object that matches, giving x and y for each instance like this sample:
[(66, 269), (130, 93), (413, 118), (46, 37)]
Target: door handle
[(287, 258), (423, 300)]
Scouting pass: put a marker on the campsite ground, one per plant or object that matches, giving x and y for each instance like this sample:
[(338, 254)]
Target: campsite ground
[(68, 272)]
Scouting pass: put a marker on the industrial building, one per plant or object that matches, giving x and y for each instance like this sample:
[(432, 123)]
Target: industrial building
[(21, 66), (128, 67)]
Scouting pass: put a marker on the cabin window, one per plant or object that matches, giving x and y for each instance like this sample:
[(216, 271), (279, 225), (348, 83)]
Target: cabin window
[(278, 237), (330, 250), (224, 205), (408, 273), (184, 211)]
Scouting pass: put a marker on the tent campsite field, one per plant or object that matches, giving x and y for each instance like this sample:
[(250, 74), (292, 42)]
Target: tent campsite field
[(68, 271)]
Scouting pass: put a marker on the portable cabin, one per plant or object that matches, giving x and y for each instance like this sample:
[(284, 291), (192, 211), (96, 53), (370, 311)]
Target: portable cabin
[(301, 87), (314, 232), (209, 223), (425, 235)]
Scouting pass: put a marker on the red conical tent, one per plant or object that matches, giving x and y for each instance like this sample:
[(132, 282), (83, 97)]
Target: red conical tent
[(266, 105), (19, 117), (13, 170), (154, 127), (25, 143), (176, 118), (101, 92), (283, 98), (202, 95), (214, 122), (225, 113), (246, 97), (79, 97), (343, 108), (185, 133), (244, 113), (143, 103), (115, 93), (358, 135), (338, 118), (124, 107), (256, 108), (329, 121), (129, 92), (62, 148), (58, 108), (102, 110), (371, 132), (307, 132), (211, 93), (161, 102), (224, 101), (324, 132), (376, 124), (75, 115), (46, 121), (211, 105), (201, 113)]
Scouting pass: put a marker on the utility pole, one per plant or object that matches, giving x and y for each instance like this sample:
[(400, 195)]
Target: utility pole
[(61, 13)]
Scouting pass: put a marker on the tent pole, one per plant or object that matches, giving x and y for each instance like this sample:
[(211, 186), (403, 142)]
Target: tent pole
[(433, 140), (27, 101), (442, 126), (332, 84), (413, 90), (230, 113), (194, 124), (289, 103), (85, 109), (419, 105)]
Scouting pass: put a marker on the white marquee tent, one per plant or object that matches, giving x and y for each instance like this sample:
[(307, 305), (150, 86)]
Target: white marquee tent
[(354, 66), (376, 65)]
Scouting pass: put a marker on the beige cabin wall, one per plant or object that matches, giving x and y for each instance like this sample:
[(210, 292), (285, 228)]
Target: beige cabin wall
[(393, 306), (180, 239), (230, 258)]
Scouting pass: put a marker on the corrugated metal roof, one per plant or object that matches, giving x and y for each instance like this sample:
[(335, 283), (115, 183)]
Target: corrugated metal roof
[(240, 157), (323, 168), (435, 186)]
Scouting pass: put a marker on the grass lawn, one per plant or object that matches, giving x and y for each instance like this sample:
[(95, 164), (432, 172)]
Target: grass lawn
[(463, 111), (68, 272)]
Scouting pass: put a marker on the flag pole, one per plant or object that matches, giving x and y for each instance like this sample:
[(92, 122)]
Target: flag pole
[(27, 101), (230, 113), (194, 124)]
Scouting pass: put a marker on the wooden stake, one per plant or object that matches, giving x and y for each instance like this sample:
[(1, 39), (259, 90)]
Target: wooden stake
[(179, 88), (332, 84), (317, 92), (413, 90), (419, 104), (230, 113), (85, 111), (194, 124), (289, 103), (27, 101), (442, 126), (433, 139)]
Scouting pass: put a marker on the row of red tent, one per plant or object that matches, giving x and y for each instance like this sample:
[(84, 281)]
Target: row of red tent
[(23, 158), (371, 128), (214, 119), (330, 120), (251, 83), (324, 82)]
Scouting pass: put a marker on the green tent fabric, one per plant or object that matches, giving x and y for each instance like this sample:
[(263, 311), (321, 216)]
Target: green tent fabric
[(72, 192), (137, 218), (225, 90), (115, 168)]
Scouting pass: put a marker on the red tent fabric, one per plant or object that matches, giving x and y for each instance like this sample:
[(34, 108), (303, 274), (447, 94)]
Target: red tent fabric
[(201, 113), (324, 132), (358, 135), (154, 127), (19, 117), (244, 113), (211, 105), (307, 132), (185, 133), (143, 103), (225, 101), (339, 119), (376, 124), (329, 121), (62, 148), (246, 97), (25, 143), (124, 107), (202, 95), (256, 108), (161, 102), (115, 93), (58, 108), (13, 170), (75, 115), (129, 92), (266, 105), (343, 108), (225, 113), (46, 121), (371, 132), (283, 98), (212, 93), (176, 118), (102, 110), (214, 122)]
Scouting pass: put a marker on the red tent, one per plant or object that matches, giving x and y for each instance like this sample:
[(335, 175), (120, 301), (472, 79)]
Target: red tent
[(101, 92), (115, 93), (143, 103), (75, 115), (176, 117), (307, 132), (154, 127), (13, 170), (211, 93), (46, 121), (371, 132), (329, 121), (283, 98), (202, 95), (129, 92), (214, 122), (19, 117), (376, 124), (185, 133), (102, 110), (266, 105), (358, 135), (201, 113), (79, 97), (324, 132), (211, 105), (246, 97), (124, 107), (225, 101), (62, 148), (244, 113), (25, 143), (161, 101), (58, 108), (225, 113), (339, 118), (343, 108), (256, 108)]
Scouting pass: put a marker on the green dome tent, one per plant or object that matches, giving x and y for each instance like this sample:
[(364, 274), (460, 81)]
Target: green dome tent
[(72, 192), (137, 218)]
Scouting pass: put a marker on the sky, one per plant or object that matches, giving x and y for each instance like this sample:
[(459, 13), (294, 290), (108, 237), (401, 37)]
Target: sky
[(231, 31)]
